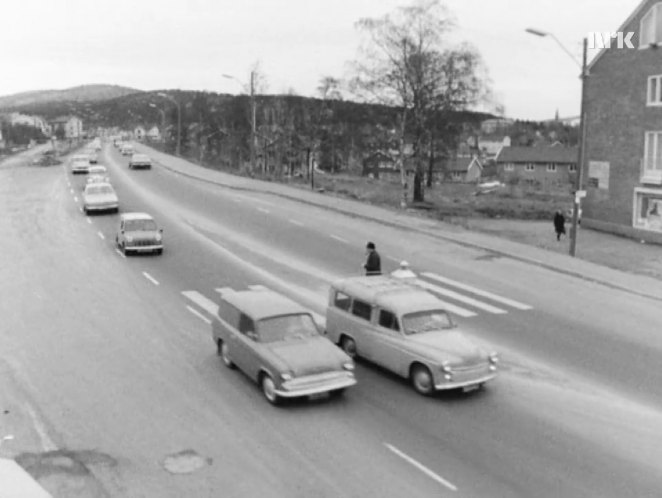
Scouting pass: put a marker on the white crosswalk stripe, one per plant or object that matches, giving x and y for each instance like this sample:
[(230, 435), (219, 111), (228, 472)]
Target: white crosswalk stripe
[(452, 308), (479, 292), (460, 297)]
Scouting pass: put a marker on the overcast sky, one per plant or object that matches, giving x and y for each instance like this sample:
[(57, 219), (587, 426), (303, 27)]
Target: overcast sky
[(156, 44)]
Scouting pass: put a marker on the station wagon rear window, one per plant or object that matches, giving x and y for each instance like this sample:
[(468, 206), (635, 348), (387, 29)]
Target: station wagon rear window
[(388, 320), (361, 309), (426, 321), (287, 328)]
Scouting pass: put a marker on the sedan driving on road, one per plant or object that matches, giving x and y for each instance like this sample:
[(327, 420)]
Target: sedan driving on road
[(276, 342), (138, 232), (140, 161), (405, 329), (100, 197), (80, 164)]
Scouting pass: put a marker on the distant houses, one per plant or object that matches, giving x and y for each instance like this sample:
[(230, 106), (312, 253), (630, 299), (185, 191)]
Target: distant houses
[(544, 166), (68, 127)]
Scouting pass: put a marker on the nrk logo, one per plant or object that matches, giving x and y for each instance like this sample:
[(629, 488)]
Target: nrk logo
[(605, 40)]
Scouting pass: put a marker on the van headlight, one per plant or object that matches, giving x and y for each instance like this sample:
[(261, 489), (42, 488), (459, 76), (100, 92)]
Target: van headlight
[(348, 366), (129, 238), (494, 358), (446, 367), (158, 237), (286, 376)]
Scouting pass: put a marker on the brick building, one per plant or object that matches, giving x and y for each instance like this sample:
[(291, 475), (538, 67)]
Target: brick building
[(623, 161), (545, 166)]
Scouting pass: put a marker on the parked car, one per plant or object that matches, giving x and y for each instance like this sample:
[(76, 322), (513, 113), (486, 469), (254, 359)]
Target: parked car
[(140, 161), (79, 164), (276, 343), (100, 197), (405, 329), (138, 232)]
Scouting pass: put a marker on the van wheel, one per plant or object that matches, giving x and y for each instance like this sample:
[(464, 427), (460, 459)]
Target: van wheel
[(348, 345), (224, 353), (422, 380), (269, 389)]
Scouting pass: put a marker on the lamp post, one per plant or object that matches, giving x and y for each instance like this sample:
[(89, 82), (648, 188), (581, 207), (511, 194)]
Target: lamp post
[(163, 116), (179, 119), (581, 149), (253, 114)]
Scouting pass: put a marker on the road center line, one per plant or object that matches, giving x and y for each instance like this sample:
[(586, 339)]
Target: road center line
[(75, 198), (120, 253), (421, 467), (101, 236), (295, 222), (394, 259), (263, 210), (339, 239), (88, 220), (198, 314), (150, 278)]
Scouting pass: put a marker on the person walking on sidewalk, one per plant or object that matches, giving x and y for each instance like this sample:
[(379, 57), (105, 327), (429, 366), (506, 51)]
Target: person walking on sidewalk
[(373, 264), (559, 224)]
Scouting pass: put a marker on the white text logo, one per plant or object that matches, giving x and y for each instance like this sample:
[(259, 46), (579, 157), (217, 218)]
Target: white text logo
[(605, 40)]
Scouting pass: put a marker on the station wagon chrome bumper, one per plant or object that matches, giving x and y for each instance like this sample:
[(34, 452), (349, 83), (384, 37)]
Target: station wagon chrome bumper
[(316, 384)]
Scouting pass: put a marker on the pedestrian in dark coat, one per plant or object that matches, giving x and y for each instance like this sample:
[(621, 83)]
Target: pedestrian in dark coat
[(559, 224), (373, 265)]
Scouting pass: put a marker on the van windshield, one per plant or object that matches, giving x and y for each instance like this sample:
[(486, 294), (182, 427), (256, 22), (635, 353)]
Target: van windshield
[(426, 321)]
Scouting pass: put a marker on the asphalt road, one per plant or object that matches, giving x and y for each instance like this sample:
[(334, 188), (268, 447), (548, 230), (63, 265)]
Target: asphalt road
[(108, 360)]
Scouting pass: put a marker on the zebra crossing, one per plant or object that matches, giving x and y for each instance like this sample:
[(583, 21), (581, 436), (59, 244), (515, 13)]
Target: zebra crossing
[(458, 298)]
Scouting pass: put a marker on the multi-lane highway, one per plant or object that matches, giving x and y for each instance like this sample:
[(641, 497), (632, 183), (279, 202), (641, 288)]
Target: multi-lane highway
[(107, 361)]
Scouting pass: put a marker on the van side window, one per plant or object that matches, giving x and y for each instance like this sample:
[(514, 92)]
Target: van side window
[(228, 313), (246, 324), (361, 309), (342, 301), (388, 320)]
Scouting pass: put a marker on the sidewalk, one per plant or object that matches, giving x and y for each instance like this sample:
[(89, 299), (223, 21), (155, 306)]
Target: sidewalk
[(413, 221)]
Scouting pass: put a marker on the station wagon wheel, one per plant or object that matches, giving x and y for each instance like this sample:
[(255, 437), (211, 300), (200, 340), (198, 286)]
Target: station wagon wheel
[(422, 380), (348, 345), (224, 353), (269, 389)]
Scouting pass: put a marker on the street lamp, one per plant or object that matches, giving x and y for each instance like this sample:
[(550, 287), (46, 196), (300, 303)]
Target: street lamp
[(582, 133), (179, 119), (163, 116), (253, 114)]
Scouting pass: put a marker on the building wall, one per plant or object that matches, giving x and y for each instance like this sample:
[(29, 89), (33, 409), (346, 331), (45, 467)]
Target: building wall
[(617, 119), (562, 176)]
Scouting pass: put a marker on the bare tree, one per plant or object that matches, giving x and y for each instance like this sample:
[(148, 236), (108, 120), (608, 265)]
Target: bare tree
[(329, 88), (406, 62)]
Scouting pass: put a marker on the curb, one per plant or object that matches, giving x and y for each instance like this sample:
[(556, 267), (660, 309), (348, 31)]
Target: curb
[(523, 259)]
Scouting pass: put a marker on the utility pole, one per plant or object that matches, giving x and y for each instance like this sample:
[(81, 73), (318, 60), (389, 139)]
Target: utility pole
[(581, 151), (253, 122), (179, 120)]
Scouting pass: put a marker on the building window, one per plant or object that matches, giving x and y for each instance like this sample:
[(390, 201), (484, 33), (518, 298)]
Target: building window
[(652, 165), (650, 29), (509, 167), (572, 168), (647, 209), (551, 168), (530, 167), (654, 90)]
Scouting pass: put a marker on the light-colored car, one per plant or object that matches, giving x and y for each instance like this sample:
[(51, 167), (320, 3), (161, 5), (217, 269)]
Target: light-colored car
[(98, 169), (406, 330), (276, 343), (92, 156), (140, 161), (126, 149), (79, 164), (138, 232), (100, 197)]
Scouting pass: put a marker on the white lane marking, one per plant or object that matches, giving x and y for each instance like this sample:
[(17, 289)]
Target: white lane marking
[(460, 297), (263, 210), (224, 290), (259, 201), (150, 278), (394, 259), (478, 292), (206, 304), (421, 467), (46, 442), (75, 198), (101, 236), (120, 253), (449, 307), (257, 287), (71, 190), (88, 220), (236, 199), (339, 239), (198, 314), (295, 222)]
